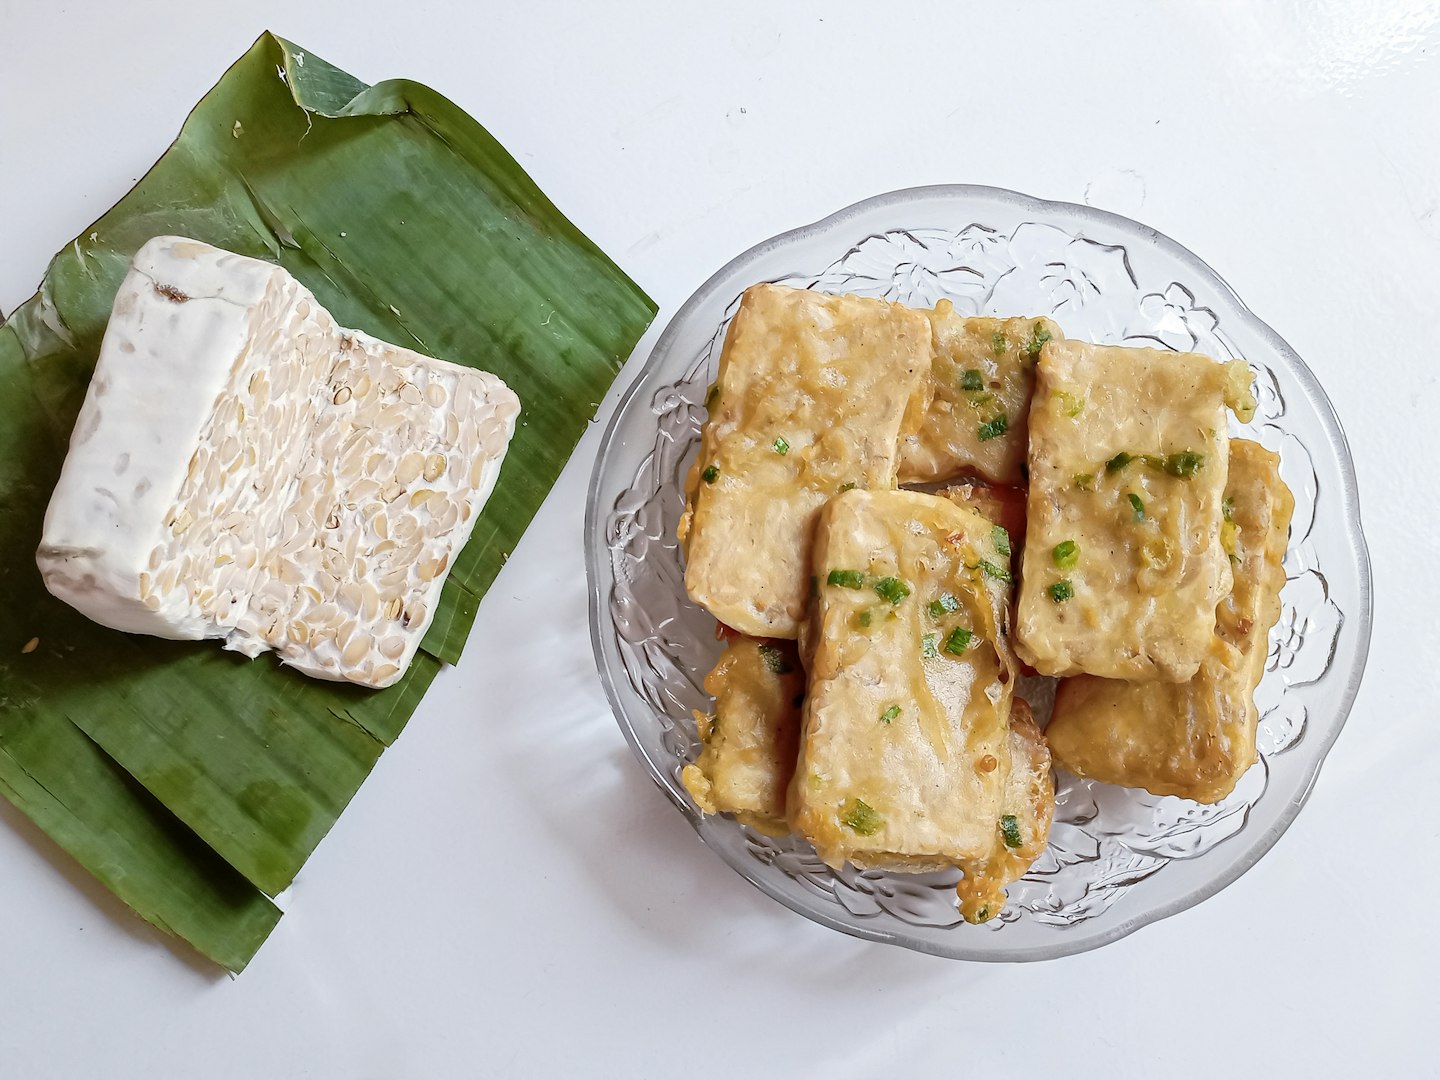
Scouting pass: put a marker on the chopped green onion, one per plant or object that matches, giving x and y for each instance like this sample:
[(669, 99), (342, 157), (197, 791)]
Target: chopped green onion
[(865, 618), (1227, 508), (1066, 554), (1010, 831), (972, 380), (1072, 405), (989, 569), (892, 589), (775, 660), (999, 342), (1084, 481), (929, 646), (846, 579), (1061, 591), (711, 474), (1038, 337), (849, 485), (862, 818), (958, 641), (1184, 464), (1001, 539), (780, 446), (1137, 506), (980, 399), (890, 714), (983, 915), (943, 605), (994, 428)]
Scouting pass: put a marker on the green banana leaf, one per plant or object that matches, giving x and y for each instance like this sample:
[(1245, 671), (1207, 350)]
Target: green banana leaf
[(407, 220)]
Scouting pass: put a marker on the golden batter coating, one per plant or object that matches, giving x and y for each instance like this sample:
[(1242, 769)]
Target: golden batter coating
[(748, 743), (1193, 739), (811, 399), (1002, 505), (1129, 453), (905, 757), (1027, 807), (982, 377)]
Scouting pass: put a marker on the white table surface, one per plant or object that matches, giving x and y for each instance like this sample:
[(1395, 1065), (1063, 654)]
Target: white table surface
[(509, 895)]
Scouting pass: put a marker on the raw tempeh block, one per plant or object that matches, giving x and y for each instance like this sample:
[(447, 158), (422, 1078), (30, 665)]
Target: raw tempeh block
[(810, 399), (1128, 457), (748, 743), (905, 756), (243, 468), (982, 377), (1193, 739)]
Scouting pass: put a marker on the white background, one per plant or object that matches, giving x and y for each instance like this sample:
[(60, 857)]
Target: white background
[(509, 895)]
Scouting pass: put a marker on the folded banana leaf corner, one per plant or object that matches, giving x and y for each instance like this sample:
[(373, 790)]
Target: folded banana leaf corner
[(191, 782)]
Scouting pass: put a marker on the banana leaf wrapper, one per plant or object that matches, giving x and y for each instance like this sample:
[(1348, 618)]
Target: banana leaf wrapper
[(192, 782)]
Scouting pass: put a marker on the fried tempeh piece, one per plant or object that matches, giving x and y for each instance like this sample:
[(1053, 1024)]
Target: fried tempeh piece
[(748, 744), (1005, 506), (982, 376), (1193, 739), (1128, 457), (811, 397), (1027, 807), (905, 754), (1002, 506)]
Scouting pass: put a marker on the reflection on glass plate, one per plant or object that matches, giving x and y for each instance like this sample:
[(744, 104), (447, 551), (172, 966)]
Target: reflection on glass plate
[(1118, 858)]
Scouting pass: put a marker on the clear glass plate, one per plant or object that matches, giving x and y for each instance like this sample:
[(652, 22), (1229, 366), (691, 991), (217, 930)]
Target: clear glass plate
[(1118, 858)]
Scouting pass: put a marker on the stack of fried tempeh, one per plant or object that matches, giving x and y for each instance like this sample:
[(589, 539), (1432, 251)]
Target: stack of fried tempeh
[(889, 734)]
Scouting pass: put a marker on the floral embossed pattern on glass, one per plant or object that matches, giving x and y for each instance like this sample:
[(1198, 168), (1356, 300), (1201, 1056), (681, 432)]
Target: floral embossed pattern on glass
[(1118, 858)]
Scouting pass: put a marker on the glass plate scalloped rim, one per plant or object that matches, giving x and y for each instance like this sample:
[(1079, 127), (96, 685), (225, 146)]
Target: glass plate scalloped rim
[(937, 229)]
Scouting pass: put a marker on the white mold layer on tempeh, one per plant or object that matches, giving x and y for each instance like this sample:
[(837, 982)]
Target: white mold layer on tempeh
[(245, 469)]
